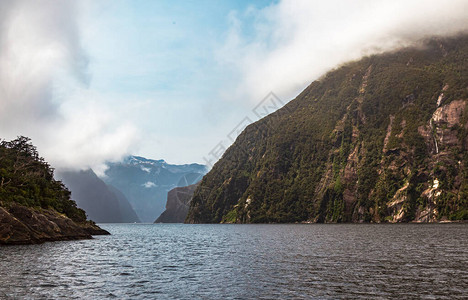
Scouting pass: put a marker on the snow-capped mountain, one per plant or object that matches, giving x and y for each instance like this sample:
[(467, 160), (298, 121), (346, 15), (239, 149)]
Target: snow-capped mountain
[(145, 182)]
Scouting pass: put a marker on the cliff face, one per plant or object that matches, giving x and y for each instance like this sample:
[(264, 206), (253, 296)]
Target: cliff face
[(177, 206), (383, 139)]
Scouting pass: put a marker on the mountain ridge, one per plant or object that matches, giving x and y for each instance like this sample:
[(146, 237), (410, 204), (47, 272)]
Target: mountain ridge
[(146, 182), (382, 139)]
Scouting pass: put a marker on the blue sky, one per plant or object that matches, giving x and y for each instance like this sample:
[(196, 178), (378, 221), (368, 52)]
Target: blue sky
[(94, 80), (159, 61)]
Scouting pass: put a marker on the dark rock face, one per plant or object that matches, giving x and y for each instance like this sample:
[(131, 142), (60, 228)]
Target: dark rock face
[(103, 203), (383, 139), (23, 225), (177, 206)]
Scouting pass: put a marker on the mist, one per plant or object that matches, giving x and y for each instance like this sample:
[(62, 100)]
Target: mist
[(285, 46), (44, 83), (151, 83)]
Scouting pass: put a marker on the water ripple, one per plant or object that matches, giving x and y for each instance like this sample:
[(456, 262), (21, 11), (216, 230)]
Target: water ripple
[(244, 262)]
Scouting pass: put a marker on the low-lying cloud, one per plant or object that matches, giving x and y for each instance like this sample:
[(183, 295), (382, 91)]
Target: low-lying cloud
[(44, 74), (43, 87), (285, 46)]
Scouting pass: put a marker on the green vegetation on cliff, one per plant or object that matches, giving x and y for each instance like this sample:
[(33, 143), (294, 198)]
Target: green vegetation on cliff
[(34, 207), (26, 179), (380, 139)]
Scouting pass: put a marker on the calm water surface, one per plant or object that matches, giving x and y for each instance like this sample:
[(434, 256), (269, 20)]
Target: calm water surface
[(244, 262)]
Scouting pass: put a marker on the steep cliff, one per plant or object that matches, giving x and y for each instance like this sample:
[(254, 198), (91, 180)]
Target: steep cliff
[(383, 139), (177, 206)]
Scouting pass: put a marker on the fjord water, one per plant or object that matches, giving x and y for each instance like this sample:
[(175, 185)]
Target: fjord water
[(177, 261)]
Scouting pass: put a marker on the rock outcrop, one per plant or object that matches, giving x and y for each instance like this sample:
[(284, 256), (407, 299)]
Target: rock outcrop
[(177, 206), (34, 207), (24, 225)]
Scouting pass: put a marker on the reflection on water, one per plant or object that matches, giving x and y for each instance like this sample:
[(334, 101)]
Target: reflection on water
[(179, 261)]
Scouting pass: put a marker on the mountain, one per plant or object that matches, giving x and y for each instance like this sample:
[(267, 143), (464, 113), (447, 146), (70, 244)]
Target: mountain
[(146, 182), (126, 210), (102, 203), (177, 206), (34, 207), (382, 139)]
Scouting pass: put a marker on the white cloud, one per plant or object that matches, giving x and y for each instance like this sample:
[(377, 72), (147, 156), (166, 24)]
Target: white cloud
[(149, 184), (145, 169), (285, 46), (43, 87), (166, 80)]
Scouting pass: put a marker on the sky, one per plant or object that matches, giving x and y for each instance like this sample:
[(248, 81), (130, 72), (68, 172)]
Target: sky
[(95, 80)]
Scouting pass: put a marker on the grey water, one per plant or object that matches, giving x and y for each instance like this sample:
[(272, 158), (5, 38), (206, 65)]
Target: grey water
[(300, 261)]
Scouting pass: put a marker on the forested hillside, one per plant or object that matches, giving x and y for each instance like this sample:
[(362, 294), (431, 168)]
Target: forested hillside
[(383, 139), (34, 207)]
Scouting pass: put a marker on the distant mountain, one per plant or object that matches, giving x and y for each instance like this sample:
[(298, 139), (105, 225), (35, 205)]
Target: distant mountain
[(383, 139), (126, 210), (103, 203), (146, 182), (177, 206)]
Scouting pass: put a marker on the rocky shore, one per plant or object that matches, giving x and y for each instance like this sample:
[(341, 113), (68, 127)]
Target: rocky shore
[(21, 225)]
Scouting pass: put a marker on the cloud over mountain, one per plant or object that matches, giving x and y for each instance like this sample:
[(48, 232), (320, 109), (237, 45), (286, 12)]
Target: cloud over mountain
[(283, 47), (43, 86)]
